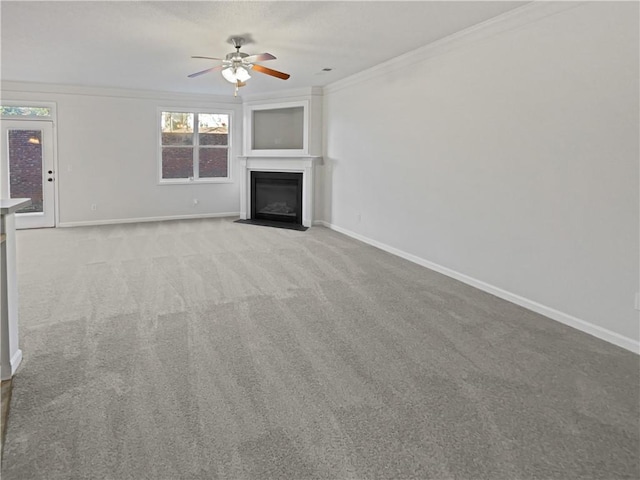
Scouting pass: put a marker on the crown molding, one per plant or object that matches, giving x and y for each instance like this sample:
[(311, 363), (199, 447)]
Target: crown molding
[(32, 87), (508, 21), (284, 94)]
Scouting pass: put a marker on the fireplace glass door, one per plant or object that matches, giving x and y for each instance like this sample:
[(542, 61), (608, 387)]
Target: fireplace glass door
[(276, 196)]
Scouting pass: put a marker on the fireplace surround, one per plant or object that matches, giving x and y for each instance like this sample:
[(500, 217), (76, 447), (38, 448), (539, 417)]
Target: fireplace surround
[(302, 165)]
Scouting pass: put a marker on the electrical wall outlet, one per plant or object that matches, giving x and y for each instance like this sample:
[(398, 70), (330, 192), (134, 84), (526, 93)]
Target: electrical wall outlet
[(195, 202), (94, 207)]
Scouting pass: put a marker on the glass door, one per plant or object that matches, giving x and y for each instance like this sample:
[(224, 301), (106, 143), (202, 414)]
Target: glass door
[(27, 170)]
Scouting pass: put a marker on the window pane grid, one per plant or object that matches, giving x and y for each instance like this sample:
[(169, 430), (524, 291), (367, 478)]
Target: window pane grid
[(203, 154)]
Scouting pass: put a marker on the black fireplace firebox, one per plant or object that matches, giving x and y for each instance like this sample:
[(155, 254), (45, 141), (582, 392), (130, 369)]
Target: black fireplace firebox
[(276, 198)]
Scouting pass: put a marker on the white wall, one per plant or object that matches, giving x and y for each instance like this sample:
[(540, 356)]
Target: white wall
[(108, 155), (511, 159)]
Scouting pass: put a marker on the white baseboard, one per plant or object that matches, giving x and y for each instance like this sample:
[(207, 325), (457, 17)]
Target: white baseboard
[(582, 325), (14, 363), (146, 219)]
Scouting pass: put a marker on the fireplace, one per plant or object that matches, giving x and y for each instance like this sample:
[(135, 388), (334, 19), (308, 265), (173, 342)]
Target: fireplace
[(303, 167), (276, 197)]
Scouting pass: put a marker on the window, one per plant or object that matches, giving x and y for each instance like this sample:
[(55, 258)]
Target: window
[(194, 147), (25, 112)]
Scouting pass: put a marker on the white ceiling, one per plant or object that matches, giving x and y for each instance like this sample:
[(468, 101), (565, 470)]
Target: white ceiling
[(148, 45)]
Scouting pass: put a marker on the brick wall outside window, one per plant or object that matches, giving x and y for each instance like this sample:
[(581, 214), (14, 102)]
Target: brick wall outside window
[(25, 167)]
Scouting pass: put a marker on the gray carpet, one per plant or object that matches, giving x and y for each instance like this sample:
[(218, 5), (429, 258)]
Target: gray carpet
[(207, 349)]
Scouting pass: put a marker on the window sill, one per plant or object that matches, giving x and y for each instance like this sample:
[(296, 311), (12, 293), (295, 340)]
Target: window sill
[(194, 182)]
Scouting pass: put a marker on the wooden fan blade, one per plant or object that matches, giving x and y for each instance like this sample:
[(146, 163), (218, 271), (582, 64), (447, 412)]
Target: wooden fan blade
[(260, 57), (240, 84), (218, 67), (273, 73), (208, 58)]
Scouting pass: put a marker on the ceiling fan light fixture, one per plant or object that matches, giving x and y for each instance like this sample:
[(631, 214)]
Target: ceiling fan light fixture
[(235, 74), (229, 75), (242, 74)]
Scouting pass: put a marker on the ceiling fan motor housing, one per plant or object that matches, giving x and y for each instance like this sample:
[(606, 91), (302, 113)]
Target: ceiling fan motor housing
[(236, 59), (235, 56)]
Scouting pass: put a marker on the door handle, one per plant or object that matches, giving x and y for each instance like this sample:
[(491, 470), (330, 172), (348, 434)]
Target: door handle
[(50, 179)]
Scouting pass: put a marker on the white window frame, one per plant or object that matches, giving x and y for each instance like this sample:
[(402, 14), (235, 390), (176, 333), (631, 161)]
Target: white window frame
[(53, 119), (196, 146)]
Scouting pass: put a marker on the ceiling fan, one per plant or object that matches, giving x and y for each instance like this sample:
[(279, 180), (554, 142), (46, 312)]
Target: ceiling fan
[(236, 65)]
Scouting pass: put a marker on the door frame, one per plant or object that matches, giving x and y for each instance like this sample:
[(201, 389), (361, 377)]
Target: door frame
[(52, 120)]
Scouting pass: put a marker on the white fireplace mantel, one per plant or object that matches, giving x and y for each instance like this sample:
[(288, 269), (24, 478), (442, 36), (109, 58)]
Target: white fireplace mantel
[(302, 164)]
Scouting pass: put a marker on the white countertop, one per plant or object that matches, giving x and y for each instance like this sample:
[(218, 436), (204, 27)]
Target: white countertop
[(11, 205)]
